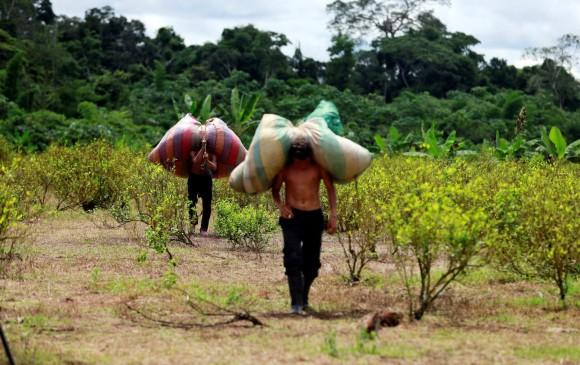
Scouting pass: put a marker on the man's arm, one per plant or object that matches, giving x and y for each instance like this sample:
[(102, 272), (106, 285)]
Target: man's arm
[(197, 157), (285, 210), (331, 191), (211, 161)]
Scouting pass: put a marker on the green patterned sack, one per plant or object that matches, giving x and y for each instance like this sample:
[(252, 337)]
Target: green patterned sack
[(328, 111), (268, 153)]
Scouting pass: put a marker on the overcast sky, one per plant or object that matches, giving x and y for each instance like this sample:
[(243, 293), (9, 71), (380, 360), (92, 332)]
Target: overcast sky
[(505, 28)]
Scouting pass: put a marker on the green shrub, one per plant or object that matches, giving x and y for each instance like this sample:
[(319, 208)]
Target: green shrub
[(247, 227), (359, 228), (431, 213), (90, 176), (156, 198), (538, 225), (11, 230), (222, 191), (6, 151)]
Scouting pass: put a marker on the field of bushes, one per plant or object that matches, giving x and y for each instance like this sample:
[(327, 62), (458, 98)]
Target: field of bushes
[(465, 246)]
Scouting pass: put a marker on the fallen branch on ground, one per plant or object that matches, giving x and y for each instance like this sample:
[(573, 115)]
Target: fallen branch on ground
[(227, 316)]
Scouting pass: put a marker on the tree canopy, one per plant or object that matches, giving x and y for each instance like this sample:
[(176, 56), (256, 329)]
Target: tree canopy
[(71, 79)]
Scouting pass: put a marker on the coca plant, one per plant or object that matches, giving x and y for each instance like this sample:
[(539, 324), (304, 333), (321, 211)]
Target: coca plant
[(538, 225), (437, 228)]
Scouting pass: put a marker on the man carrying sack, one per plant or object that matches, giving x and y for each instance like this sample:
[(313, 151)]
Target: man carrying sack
[(302, 220), (199, 183)]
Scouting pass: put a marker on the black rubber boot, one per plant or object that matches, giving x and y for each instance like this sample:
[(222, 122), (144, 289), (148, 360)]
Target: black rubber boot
[(296, 286), (308, 280)]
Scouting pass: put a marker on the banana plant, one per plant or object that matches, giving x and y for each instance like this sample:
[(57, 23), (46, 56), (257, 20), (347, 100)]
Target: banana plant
[(395, 142), (242, 109), (506, 149), (434, 148), (555, 146), (202, 110)]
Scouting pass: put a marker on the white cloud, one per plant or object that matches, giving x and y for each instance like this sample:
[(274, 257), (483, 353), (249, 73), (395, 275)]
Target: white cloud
[(506, 28)]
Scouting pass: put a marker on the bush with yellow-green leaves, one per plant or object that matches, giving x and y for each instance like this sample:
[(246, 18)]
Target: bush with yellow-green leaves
[(436, 217), (441, 217), (88, 176), (248, 227), (11, 229), (99, 175), (154, 197), (6, 151), (538, 224), (359, 227), (431, 215)]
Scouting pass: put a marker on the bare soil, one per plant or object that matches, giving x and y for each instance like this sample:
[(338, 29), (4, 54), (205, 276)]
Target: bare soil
[(75, 298)]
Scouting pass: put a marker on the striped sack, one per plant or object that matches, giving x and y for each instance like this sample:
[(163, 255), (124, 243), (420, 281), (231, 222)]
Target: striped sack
[(268, 153), (173, 151)]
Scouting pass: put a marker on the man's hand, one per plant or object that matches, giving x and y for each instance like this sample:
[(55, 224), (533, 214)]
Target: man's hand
[(331, 225), (286, 211)]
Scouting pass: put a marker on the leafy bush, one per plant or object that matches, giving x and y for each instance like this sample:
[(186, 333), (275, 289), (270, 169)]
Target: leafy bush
[(222, 191), (247, 227), (431, 213), (11, 231), (538, 224), (90, 176), (156, 198), (6, 152), (360, 229), (31, 178)]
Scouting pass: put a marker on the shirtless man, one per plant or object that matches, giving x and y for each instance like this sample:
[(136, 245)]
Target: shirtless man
[(302, 221), (199, 184)]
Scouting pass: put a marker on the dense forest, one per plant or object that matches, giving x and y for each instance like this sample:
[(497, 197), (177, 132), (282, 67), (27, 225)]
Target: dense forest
[(68, 79)]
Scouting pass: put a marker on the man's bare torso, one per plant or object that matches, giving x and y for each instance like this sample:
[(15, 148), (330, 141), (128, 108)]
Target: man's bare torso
[(302, 185)]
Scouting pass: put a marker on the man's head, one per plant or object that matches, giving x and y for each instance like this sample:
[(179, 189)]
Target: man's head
[(300, 149)]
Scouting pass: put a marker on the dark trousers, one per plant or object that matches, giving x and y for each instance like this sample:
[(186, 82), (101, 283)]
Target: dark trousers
[(200, 186), (302, 241)]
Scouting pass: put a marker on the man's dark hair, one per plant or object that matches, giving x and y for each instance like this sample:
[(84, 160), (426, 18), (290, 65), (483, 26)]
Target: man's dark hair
[(299, 150)]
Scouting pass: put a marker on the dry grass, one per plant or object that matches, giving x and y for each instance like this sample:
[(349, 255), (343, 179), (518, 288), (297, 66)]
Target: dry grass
[(65, 303)]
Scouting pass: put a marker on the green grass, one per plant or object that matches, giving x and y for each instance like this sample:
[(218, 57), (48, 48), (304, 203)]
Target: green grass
[(372, 280), (486, 275), (36, 322), (131, 286), (532, 302), (546, 352), (367, 344), (36, 355)]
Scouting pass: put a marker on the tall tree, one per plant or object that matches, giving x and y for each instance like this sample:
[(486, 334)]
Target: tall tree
[(168, 44), (389, 17), (558, 60), (306, 67), (44, 11), (18, 17), (339, 69), (502, 75), (14, 76), (253, 51)]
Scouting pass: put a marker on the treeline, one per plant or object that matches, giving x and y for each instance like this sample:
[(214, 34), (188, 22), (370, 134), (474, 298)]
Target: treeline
[(68, 79)]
